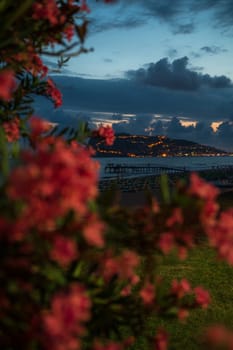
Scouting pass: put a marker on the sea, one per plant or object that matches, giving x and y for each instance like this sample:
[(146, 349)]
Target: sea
[(188, 163)]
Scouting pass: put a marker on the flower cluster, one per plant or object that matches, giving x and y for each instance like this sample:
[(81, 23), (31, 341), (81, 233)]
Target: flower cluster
[(123, 267), (7, 84), (182, 288), (105, 132), (47, 10), (64, 250), (56, 179), (54, 93), (221, 235), (64, 323), (11, 129)]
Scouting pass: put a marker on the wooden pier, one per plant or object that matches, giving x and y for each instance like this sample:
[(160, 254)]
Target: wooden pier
[(147, 169)]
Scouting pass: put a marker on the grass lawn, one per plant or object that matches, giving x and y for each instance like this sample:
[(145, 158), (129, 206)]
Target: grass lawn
[(201, 268)]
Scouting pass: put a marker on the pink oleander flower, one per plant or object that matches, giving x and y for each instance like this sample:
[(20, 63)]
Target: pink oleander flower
[(180, 288), (54, 93), (30, 60), (132, 281), (46, 10), (221, 235), (209, 213), (105, 132), (69, 32), (166, 242), (161, 340), (7, 84), (64, 323), (182, 314), (11, 129), (147, 293), (182, 253), (128, 261), (109, 267), (84, 7), (38, 127), (93, 231), (54, 179), (178, 240), (36, 66), (64, 250), (175, 218), (107, 345), (202, 297), (201, 188), (123, 265)]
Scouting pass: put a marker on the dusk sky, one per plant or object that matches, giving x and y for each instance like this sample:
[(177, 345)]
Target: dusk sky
[(157, 65)]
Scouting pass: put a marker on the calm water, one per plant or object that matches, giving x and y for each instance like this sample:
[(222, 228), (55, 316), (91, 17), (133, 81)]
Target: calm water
[(190, 163)]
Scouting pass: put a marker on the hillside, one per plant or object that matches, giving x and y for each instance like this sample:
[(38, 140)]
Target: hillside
[(151, 146)]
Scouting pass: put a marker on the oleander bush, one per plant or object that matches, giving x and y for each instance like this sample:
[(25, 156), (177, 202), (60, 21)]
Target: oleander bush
[(78, 271)]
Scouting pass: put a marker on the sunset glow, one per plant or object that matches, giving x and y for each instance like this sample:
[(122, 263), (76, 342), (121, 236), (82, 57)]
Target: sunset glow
[(215, 125), (188, 123)]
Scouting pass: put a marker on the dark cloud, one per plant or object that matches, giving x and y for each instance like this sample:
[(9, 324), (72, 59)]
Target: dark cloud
[(140, 11), (172, 52), (135, 125), (158, 128), (224, 136), (213, 50), (171, 12), (82, 98), (216, 81), (222, 11), (176, 76), (197, 68), (195, 54), (164, 9), (125, 96), (174, 127), (225, 130), (108, 60), (184, 28), (97, 25), (201, 132)]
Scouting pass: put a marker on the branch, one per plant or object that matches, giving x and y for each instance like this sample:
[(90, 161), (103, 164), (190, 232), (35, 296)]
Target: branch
[(63, 52)]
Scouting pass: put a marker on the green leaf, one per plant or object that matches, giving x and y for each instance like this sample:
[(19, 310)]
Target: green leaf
[(15, 149), (92, 206), (21, 9), (4, 154), (165, 189), (55, 274)]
